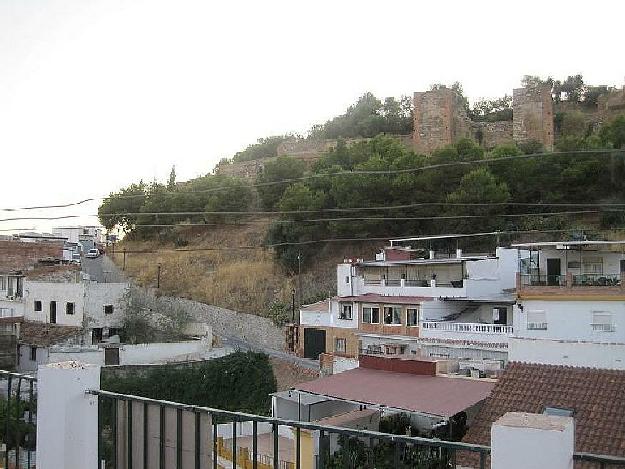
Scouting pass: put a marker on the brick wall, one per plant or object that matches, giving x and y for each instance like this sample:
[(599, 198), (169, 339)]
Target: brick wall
[(17, 255), (399, 365)]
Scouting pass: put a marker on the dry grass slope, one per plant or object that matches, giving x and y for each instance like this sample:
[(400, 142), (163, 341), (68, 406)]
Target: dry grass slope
[(246, 280)]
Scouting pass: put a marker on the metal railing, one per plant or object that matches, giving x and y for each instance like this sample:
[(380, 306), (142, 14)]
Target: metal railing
[(597, 280), (542, 280), (140, 433), (467, 327), (602, 461), (18, 419)]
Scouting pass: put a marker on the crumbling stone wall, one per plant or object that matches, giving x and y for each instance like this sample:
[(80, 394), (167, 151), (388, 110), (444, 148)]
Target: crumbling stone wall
[(533, 115), (439, 119), (491, 134)]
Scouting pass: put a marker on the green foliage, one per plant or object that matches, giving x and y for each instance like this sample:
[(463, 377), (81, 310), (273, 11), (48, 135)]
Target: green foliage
[(16, 430), (492, 110), (171, 182), (263, 148), (242, 381), (283, 168), (117, 208), (368, 118), (280, 313), (613, 133), (573, 124)]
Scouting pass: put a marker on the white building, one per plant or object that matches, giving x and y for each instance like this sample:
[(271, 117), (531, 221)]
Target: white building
[(571, 304), (458, 306)]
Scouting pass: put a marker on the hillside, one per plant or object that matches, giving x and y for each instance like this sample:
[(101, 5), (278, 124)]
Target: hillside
[(213, 271)]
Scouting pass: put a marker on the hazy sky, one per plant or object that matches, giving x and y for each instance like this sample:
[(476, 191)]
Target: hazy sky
[(95, 94)]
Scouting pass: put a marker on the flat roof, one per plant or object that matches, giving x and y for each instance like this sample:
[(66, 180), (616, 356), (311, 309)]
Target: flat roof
[(433, 395), (447, 236), (567, 243), (322, 306), (445, 260), (394, 299)]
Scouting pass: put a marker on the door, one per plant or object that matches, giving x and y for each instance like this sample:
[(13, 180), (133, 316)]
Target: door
[(111, 356), (553, 271), (53, 312), (314, 343)]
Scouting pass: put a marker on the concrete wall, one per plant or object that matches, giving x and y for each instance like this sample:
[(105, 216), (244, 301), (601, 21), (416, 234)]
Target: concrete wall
[(136, 354), (571, 320), (569, 353)]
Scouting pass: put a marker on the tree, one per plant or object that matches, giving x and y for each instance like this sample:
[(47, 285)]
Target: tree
[(119, 208), (284, 168), (171, 182), (479, 186), (613, 133), (263, 148), (573, 88)]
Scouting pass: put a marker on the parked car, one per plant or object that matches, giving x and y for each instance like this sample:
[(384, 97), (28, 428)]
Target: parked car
[(92, 254)]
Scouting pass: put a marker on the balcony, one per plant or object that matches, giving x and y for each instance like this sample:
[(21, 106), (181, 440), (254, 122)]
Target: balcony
[(498, 333), (411, 287), (570, 284)]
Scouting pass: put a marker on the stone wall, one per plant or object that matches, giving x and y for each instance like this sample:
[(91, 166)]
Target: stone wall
[(439, 119), (533, 115), (260, 333), (491, 134)]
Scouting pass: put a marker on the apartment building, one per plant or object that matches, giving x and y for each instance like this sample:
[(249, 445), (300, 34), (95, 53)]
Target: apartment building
[(411, 301), (570, 307)]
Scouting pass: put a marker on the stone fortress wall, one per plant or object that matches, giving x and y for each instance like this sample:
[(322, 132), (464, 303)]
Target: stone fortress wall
[(440, 119)]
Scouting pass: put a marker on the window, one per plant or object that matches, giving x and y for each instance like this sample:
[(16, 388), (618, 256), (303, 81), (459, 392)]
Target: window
[(37, 306), (345, 311), (536, 320), (3, 283), (412, 317), (392, 315), (592, 265), (371, 314), (69, 308), (108, 309), (33, 354), (340, 345), (347, 279), (602, 321)]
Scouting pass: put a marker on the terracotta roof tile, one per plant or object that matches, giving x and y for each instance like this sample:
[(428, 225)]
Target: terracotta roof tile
[(597, 397), (43, 334)]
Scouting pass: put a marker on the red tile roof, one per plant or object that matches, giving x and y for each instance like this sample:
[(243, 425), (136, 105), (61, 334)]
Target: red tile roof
[(436, 395), (596, 396), (390, 299)]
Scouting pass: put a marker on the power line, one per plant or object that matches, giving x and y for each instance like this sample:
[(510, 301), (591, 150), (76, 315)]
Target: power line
[(40, 207), (437, 217), (605, 152)]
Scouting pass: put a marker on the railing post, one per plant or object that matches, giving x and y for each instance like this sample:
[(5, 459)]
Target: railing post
[(67, 418)]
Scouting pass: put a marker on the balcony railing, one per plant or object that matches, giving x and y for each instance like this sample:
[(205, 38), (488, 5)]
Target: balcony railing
[(179, 430), (393, 282), (597, 280), (467, 327), (18, 402), (542, 280)]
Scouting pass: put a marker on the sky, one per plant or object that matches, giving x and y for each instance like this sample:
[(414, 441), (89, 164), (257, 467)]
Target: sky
[(96, 94)]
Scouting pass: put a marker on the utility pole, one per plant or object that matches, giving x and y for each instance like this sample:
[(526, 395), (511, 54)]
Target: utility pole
[(158, 276), (124, 266), (293, 295), (299, 277)]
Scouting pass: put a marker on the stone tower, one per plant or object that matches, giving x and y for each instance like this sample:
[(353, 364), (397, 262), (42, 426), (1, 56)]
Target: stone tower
[(533, 115), (439, 119)]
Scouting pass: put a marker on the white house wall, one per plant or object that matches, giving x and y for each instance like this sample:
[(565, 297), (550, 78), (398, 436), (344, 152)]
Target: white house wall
[(343, 323), (554, 352), (62, 293), (571, 320), (100, 294), (344, 280)]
